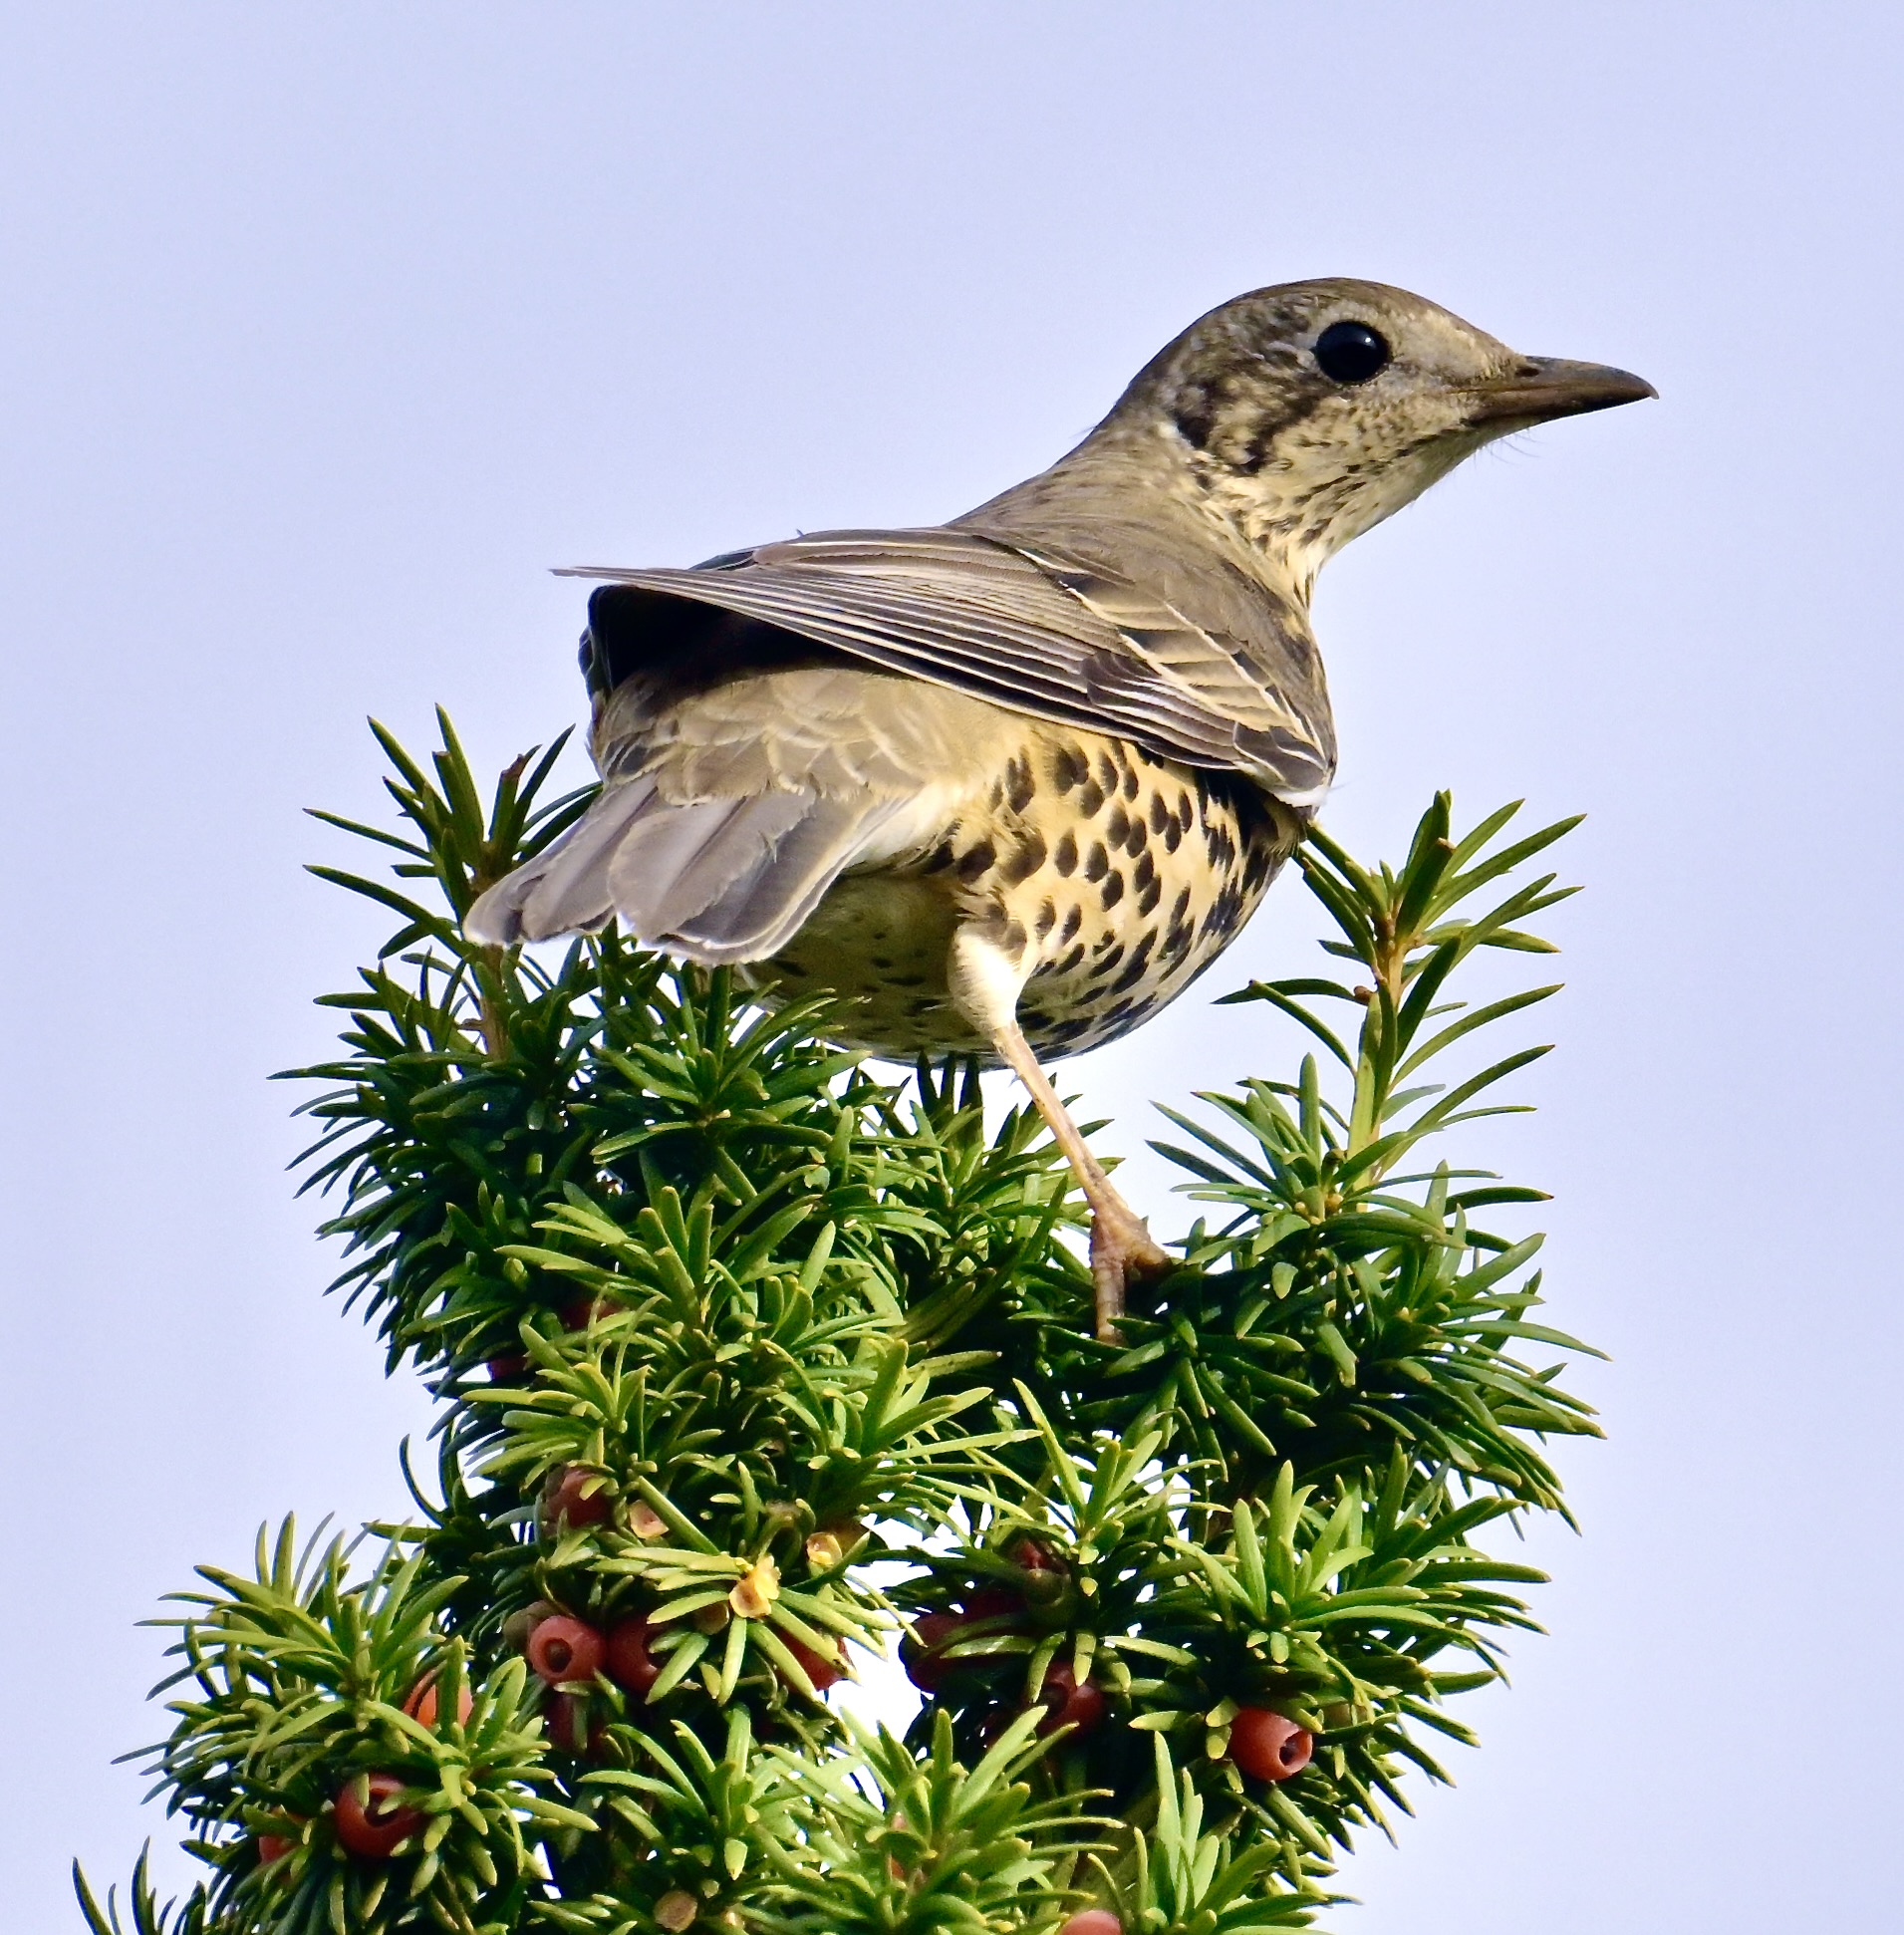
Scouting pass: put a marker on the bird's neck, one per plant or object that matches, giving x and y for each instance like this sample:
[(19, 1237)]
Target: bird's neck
[(1153, 508)]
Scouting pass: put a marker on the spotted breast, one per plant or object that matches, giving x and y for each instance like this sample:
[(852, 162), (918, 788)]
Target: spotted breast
[(1115, 876)]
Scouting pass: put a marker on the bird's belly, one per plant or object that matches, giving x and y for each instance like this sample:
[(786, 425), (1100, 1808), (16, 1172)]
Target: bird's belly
[(1113, 876)]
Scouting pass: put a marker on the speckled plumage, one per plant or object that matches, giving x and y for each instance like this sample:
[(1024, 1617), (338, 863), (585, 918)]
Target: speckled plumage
[(1110, 878), (1006, 785)]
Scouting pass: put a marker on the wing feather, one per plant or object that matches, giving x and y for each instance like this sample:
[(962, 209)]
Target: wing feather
[(1032, 628)]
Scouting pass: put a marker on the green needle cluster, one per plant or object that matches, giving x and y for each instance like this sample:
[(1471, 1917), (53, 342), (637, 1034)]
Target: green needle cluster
[(752, 1364)]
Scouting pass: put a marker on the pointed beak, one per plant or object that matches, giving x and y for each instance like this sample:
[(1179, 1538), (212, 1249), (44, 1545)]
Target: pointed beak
[(1546, 387)]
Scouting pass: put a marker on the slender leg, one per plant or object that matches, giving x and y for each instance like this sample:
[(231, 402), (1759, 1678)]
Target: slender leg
[(1121, 1242), (985, 978)]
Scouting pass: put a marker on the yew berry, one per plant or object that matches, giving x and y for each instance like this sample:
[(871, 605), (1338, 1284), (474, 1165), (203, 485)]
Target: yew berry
[(274, 1847), (1268, 1746), (823, 1669), (575, 1497), (423, 1704), (992, 1602), (582, 1311), (628, 1661), (1069, 1701), (921, 1652), (567, 1715), (1093, 1921), (509, 1368), (562, 1650), (370, 1819)]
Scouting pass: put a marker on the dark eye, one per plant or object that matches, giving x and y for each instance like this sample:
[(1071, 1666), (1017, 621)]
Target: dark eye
[(1352, 351)]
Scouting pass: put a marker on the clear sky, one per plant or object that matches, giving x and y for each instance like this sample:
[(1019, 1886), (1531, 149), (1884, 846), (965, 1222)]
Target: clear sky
[(323, 330)]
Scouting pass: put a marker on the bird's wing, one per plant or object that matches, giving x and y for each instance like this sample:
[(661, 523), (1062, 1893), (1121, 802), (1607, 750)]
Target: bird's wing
[(1030, 627)]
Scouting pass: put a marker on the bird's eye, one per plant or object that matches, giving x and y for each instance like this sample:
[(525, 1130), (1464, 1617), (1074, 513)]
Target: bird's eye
[(1352, 351)]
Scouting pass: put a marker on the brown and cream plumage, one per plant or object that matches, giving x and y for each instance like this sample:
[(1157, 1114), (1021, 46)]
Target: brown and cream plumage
[(1009, 784)]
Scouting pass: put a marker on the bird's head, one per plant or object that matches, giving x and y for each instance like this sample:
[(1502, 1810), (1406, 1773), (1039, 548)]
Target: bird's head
[(1306, 412)]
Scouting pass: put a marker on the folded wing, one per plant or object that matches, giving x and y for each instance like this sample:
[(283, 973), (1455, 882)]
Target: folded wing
[(1029, 626)]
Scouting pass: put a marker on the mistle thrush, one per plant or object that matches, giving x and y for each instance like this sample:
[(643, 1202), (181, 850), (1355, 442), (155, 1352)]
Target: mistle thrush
[(1009, 784)]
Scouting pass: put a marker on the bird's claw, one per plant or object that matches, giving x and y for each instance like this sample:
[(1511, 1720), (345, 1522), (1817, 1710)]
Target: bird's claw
[(1122, 1248)]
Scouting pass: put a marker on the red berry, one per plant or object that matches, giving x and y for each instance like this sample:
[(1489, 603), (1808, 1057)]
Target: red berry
[(562, 1650), (510, 1368), (576, 1497), (370, 1821), (992, 1602), (421, 1705), (628, 1662), (823, 1669), (567, 1715), (582, 1311), (922, 1651), (1093, 1921), (1268, 1746), (274, 1847), (1069, 1701)]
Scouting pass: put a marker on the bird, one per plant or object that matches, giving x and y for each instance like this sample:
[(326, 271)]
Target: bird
[(1006, 785)]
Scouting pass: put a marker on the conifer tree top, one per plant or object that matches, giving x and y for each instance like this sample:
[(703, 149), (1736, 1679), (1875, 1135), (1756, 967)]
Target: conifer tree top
[(753, 1360)]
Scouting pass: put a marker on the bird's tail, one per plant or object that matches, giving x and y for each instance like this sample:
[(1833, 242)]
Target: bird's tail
[(715, 880)]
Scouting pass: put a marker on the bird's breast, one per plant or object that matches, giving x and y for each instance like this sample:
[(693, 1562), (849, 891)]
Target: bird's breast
[(1112, 876)]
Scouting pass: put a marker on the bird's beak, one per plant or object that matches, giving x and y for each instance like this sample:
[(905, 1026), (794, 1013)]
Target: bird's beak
[(1545, 387)]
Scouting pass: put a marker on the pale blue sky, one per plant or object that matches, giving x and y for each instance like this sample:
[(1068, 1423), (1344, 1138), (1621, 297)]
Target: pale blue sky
[(325, 329)]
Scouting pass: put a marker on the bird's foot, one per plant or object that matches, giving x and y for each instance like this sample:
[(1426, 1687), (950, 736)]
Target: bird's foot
[(1122, 1248)]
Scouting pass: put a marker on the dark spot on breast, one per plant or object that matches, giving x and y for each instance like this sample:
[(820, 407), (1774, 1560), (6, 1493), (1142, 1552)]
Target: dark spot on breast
[(1066, 857), (1097, 862), (1224, 915), (1107, 960), (1071, 962), (976, 861), (1019, 785), (1072, 922), (1219, 845), (1047, 919), (1159, 814), (1107, 772), (1173, 837), (939, 860), (1135, 836), (1132, 784), (1090, 799), (1113, 889), (1117, 826), (1025, 861), (882, 961), (1013, 939), (1258, 864), (1140, 962), (1068, 769)]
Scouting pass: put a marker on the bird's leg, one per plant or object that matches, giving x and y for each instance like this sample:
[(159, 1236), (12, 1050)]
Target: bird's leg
[(1121, 1242), (987, 973)]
